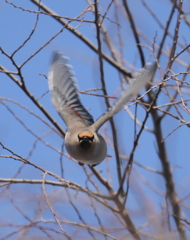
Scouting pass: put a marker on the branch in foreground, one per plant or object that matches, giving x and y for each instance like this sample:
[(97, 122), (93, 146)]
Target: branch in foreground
[(84, 39)]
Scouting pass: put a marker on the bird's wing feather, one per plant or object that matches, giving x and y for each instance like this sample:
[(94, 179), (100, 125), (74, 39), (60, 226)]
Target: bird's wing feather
[(65, 96), (137, 83)]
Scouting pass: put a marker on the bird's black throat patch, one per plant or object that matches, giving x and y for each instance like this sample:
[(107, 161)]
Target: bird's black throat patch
[(85, 144), (85, 141)]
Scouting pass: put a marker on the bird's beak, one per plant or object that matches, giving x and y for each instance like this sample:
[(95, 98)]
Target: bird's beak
[(85, 139)]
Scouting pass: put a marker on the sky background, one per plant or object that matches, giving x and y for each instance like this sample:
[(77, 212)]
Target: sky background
[(16, 25)]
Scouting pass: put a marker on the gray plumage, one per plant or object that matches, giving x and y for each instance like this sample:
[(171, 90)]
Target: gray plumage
[(139, 81), (65, 96), (82, 140)]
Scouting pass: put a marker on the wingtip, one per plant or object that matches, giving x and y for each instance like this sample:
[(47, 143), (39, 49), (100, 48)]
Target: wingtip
[(152, 68), (57, 56)]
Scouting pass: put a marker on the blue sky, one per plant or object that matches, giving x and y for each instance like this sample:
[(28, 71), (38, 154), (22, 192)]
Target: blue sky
[(16, 25)]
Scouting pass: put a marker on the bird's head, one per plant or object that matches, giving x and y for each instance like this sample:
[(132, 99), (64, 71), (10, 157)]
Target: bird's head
[(85, 139)]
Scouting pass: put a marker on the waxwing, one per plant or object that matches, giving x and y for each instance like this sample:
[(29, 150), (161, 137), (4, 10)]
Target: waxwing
[(82, 140)]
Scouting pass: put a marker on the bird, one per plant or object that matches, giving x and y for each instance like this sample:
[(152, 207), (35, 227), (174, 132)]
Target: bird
[(82, 140)]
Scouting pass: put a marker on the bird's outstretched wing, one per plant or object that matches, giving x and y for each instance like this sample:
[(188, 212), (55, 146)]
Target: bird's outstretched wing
[(65, 96), (137, 83)]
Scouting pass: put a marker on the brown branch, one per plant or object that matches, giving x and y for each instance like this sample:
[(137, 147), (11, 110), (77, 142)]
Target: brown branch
[(171, 193), (165, 32), (114, 133), (51, 208), (134, 32), (106, 12), (84, 39), (33, 99)]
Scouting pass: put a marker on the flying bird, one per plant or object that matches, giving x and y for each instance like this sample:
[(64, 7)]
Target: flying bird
[(82, 140)]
